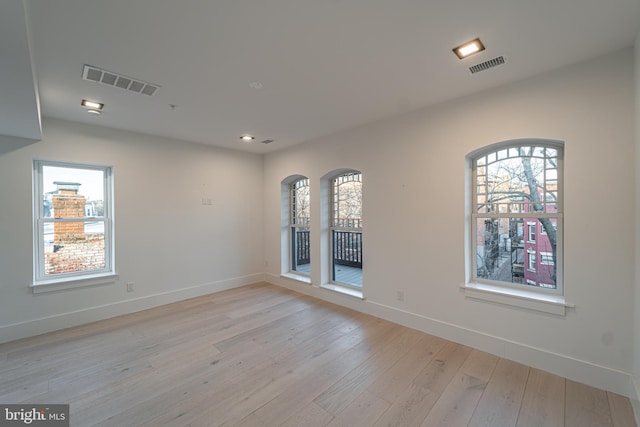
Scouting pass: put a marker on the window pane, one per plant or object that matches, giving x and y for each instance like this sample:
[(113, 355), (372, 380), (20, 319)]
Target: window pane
[(300, 217), (74, 247), (74, 217), (300, 202), (347, 257), (527, 180), (346, 245), (300, 250), (347, 201), (72, 192), (504, 245)]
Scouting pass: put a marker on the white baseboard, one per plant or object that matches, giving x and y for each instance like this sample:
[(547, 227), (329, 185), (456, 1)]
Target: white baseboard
[(569, 367), (91, 314), (635, 399)]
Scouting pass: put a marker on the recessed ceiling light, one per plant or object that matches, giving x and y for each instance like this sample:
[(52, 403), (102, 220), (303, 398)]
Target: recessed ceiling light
[(247, 138), (469, 48), (92, 111), (92, 104)]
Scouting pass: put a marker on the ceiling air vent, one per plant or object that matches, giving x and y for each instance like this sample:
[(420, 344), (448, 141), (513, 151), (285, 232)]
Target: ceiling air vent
[(267, 141), (97, 75), (499, 60)]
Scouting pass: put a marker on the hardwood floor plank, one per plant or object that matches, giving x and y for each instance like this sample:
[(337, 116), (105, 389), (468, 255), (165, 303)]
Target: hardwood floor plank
[(243, 397), (297, 328), (480, 365), (340, 394), (309, 416), (458, 401), (264, 356), (621, 411), (183, 394), (586, 406), (501, 400), (543, 402), (395, 381), (455, 406), (126, 401), (314, 382), (410, 408), (363, 411), (437, 375)]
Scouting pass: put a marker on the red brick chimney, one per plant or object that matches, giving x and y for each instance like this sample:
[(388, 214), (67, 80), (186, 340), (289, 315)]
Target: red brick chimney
[(67, 203)]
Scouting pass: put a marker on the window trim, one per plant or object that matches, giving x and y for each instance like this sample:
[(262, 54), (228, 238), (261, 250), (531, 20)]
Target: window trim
[(333, 283), (293, 225), (42, 283), (531, 231), (531, 260), (535, 298), (544, 258)]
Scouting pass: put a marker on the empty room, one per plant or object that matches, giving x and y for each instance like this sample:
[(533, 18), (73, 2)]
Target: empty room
[(319, 213)]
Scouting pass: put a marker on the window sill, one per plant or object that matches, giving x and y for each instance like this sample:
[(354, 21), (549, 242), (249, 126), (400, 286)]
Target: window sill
[(53, 285), (343, 290), (297, 277), (552, 304)]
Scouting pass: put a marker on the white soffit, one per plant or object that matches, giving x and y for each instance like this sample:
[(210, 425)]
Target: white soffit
[(19, 103)]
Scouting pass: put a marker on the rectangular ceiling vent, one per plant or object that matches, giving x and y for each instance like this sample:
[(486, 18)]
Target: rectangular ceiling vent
[(97, 75), (499, 60), (267, 141)]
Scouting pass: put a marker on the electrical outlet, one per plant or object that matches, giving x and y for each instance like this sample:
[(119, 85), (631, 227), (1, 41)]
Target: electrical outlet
[(400, 295), (130, 287)]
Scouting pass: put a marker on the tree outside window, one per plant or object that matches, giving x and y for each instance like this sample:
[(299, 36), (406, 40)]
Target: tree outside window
[(517, 190), (300, 218)]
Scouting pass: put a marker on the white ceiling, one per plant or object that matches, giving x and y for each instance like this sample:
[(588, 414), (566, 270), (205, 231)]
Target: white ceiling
[(324, 65)]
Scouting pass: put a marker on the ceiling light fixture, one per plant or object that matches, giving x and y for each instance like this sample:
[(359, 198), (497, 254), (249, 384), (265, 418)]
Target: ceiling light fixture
[(247, 138), (92, 111), (92, 104), (467, 49)]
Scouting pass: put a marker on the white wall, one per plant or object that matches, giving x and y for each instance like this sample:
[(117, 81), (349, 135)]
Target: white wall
[(414, 196), (167, 243), (636, 328)]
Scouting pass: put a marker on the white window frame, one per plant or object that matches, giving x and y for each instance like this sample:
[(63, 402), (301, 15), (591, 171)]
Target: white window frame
[(531, 261), (531, 232), (44, 283), (517, 294), (333, 228), (546, 258), (294, 224)]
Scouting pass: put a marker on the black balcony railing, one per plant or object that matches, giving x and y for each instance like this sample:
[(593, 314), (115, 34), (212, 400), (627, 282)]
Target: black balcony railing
[(302, 247), (347, 248)]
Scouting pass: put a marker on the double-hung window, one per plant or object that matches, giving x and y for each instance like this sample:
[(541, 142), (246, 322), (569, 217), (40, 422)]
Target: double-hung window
[(299, 221), (346, 229), (516, 216), (73, 222)]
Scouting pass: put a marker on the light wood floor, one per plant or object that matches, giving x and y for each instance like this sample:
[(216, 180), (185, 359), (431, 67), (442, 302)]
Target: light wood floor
[(264, 356)]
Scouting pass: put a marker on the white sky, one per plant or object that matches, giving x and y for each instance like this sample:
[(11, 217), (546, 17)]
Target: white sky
[(92, 180)]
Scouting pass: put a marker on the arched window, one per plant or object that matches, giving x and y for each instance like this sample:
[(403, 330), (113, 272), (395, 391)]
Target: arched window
[(346, 229), (298, 227), (516, 215)]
